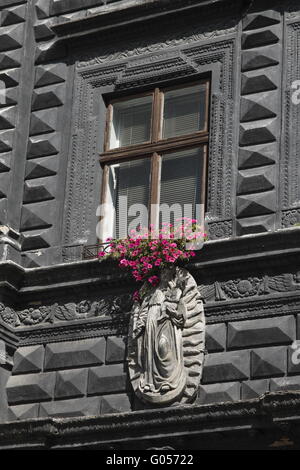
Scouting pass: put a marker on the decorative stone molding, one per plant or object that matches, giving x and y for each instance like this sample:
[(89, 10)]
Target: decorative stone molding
[(138, 66), (261, 44)]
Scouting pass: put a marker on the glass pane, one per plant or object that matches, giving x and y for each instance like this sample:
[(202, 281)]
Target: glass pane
[(181, 179), (129, 184), (131, 122), (184, 111)]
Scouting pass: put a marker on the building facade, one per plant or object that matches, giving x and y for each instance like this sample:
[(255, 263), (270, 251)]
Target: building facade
[(63, 317)]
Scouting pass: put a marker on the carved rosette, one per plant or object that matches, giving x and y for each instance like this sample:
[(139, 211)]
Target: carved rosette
[(166, 341)]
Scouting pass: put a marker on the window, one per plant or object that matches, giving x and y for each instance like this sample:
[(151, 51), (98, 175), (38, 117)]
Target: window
[(155, 153)]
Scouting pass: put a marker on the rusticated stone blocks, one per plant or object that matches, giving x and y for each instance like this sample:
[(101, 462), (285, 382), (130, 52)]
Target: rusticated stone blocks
[(30, 388), (115, 404), (28, 359), (75, 353), (269, 362), (226, 367), (215, 337), (78, 407), (259, 121), (107, 379), (20, 412), (71, 383), (254, 388), (249, 333), (216, 393), (115, 350)]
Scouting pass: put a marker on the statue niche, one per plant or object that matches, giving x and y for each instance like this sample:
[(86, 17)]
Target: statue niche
[(166, 340)]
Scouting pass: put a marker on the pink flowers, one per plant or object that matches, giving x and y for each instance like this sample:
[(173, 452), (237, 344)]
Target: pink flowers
[(154, 280), (146, 256)]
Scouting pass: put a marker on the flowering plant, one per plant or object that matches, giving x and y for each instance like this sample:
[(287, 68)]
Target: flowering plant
[(146, 252)]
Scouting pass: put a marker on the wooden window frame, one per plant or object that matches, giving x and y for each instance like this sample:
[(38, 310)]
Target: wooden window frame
[(157, 146)]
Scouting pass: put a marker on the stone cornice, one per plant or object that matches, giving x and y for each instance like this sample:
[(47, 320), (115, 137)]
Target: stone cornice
[(275, 414), (274, 250), (124, 16)]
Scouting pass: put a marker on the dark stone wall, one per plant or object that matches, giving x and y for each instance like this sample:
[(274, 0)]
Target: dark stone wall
[(65, 330), (71, 378), (60, 59), (63, 320)]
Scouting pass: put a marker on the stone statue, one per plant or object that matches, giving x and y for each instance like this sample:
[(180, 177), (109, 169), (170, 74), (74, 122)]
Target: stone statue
[(166, 340)]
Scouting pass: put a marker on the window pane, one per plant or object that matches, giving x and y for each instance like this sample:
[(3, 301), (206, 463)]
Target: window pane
[(184, 111), (181, 177), (131, 122), (130, 180)]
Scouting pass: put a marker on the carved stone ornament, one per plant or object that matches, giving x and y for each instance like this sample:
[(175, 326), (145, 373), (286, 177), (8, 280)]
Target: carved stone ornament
[(166, 340)]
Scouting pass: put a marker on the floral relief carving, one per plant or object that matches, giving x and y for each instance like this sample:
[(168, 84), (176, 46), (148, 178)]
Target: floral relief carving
[(85, 309)]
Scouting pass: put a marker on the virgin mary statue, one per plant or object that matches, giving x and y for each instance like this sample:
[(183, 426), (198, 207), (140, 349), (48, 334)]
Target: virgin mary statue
[(156, 347)]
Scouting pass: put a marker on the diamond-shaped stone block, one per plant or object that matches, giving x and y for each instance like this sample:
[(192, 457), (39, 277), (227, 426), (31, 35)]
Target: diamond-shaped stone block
[(35, 239), (42, 8), (35, 259), (115, 404), (75, 353), (215, 337), (28, 359), (68, 408), (7, 117), (6, 138), (37, 215), (43, 122), (281, 330), (226, 367), (256, 81), (261, 20), (260, 58), (259, 106), (50, 74), (261, 38), (43, 31), (39, 189), (115, 351), (219, 393), (254, 388), (43, 145), (10, 59), (260, 224), (107, 379), (48, 97), (41, 167), (13, 15), (8, 97), (30, 388), (71, 383), (11, 37), (258, 132), (255, 180), (269, 362), (256, 204), (10, 78), (258, 155), (5, 162), (20, 412)]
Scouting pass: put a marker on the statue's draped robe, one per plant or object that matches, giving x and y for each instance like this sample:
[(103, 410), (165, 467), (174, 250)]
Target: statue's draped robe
[(160, 353)]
